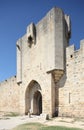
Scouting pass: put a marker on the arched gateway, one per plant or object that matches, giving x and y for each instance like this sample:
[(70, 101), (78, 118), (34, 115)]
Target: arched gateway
[(33, 98)]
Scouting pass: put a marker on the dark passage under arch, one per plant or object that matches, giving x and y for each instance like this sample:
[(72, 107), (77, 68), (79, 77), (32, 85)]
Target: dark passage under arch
[(37, 103)]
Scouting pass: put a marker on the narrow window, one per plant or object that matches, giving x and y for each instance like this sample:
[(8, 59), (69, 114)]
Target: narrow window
[(69, 98), (71, 56), (30, 39)]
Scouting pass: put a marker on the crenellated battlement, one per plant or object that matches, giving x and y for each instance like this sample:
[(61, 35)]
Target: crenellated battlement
[(72, 53), (7, 81)]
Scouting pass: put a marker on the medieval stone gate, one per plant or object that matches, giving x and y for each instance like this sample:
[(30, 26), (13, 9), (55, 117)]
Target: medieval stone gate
[(44, 54)]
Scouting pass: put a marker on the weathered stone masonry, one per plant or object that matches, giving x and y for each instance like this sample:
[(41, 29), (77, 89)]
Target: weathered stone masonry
[(71, 94), (50, 77)]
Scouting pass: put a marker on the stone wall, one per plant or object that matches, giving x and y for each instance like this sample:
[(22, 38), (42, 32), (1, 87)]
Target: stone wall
[(71, 86), (9, 95)]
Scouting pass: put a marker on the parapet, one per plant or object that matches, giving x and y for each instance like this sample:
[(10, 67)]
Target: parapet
[(9, 80), (71, 51), (82, 44)]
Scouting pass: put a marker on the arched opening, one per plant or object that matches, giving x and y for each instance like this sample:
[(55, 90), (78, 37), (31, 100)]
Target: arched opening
[(33, 98)]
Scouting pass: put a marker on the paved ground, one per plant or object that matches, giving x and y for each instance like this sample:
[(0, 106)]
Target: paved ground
[(7, 123)]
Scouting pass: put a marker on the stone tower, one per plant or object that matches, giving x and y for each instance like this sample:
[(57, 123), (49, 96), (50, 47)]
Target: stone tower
[(41, 57), (50, 74)]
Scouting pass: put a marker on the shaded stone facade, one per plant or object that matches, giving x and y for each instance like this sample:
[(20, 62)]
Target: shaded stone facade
[(50, 77)]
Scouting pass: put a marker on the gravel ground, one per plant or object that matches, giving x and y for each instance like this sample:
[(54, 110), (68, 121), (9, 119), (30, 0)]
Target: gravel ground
[(8, 123)]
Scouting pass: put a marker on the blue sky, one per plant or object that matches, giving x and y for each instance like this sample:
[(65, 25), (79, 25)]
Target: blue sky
[(16, 15)]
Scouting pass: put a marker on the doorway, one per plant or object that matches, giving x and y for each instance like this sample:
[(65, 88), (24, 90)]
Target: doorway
[(33, 98), (37, 103)]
